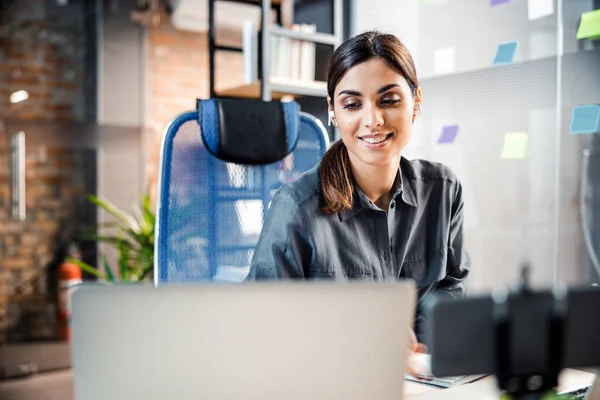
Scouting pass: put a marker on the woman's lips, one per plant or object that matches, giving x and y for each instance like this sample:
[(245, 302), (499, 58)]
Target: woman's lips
[(376, 145)]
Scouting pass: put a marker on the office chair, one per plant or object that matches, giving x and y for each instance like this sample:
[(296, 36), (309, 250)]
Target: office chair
[(219, 169)]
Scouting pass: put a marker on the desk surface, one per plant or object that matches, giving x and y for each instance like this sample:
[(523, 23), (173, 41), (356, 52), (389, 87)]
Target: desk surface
[(58, 386), (486, 388)]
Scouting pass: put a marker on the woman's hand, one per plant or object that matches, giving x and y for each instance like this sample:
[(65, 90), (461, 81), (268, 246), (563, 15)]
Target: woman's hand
[(413, 345), (416, 362)]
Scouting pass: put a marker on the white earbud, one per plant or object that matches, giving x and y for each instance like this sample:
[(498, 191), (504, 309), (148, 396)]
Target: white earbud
[(419, 109), (331, 119)]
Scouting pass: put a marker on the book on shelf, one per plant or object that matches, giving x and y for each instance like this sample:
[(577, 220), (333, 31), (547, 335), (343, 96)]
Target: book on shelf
[(250, 51), (291, 60), (295, 53), (307, 58)]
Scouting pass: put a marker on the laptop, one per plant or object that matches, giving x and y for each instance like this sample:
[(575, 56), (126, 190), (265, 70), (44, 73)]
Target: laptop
[(267, 341)]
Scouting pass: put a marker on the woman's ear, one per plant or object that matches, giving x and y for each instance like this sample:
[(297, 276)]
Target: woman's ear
[(330, 113), (418, 109)]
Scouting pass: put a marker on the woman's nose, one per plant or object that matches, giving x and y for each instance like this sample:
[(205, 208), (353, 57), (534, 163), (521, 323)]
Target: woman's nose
[(372, 117)]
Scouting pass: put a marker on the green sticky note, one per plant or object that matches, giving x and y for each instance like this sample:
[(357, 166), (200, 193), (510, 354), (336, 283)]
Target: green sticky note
[(515, 145), (589, 27)]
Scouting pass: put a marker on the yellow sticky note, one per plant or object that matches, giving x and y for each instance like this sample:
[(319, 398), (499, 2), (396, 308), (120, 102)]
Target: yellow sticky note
[(515, 145), (589, 27)]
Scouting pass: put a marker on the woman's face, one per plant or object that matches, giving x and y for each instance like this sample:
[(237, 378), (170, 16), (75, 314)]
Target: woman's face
[(374, 110)]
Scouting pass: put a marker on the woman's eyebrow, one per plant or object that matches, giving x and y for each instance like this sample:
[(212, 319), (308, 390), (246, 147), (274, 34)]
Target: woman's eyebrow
[(381, 90), (350, 92), (387, 87)]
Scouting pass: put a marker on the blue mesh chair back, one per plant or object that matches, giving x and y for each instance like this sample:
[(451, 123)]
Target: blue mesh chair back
[(210, 212)]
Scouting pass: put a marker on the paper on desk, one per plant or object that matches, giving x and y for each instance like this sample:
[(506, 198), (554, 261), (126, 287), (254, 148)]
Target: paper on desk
[(459, 393), (421, 363), (540, 8)]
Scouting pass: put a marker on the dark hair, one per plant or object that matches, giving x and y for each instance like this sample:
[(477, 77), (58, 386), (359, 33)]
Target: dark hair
[(335, 171)]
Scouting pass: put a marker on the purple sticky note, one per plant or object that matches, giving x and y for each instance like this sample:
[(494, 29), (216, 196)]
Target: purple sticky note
[(448, 135), (498, 2)]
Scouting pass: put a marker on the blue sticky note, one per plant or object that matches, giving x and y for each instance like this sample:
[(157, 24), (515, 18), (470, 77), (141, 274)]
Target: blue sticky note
[(505, 53), (585, 119), (448, 134)]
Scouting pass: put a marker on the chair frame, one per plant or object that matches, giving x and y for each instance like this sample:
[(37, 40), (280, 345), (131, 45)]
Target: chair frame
[(169, 133)]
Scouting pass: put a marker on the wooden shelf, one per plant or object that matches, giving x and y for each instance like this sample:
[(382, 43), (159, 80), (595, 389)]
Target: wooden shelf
[(273, 2), (280, 88)]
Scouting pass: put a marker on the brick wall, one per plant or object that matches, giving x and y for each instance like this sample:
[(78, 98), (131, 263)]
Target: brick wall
[(41, 51), (27, 309), (177, 74)]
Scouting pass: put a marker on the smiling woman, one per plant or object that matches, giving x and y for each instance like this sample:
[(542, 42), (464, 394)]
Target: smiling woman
[(373, 99), (366, 212)]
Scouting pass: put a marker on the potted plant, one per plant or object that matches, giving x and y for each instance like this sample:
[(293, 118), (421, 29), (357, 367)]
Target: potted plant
[(133, 237)]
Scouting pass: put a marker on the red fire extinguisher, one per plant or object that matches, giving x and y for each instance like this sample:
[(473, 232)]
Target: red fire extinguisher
[(69, 276)]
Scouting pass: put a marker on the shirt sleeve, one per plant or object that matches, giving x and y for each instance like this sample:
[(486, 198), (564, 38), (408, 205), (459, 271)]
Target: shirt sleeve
[(283, 250), (458, 263)]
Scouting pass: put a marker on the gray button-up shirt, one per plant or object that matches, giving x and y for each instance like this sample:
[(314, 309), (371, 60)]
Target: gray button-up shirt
[(419, 238)]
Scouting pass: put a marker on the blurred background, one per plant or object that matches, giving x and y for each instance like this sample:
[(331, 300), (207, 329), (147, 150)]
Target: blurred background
[(511, 92)]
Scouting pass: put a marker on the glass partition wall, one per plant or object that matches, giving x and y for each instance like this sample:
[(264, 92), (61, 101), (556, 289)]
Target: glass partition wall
[(502, 80)]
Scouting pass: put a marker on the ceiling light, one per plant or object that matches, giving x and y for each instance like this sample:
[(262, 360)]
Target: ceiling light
[(18, 96)]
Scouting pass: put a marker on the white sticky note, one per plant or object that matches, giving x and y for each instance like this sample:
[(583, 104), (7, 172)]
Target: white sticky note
[(540, 8), (444, 61)]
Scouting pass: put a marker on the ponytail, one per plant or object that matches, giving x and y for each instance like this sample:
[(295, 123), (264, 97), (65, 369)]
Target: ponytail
[(336, 179)]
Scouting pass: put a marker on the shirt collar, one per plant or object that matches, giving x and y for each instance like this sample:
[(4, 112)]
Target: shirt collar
[(360, 200)]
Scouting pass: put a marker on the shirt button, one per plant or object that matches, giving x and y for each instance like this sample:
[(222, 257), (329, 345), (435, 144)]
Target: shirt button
[(393, 205), (391, 249)]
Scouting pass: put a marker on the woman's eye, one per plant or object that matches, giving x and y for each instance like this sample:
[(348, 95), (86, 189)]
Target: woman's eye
[(350, 106), (390, 101)]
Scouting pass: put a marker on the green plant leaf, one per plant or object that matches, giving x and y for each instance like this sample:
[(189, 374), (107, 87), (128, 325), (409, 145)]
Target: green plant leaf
[(109, 275), (87, 268), (115, 212), (124, 257), (149, 216), (146, 271), (108, 239), (133, 240), (102, 225)]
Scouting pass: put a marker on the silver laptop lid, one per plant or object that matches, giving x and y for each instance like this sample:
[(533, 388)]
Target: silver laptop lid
[(253, 341)]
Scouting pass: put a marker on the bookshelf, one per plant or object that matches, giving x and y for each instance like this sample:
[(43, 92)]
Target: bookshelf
[(273, 2), (279, 88), (273, 87)]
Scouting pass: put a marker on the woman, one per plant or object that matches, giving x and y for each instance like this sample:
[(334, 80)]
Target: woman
[(366, 212)]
